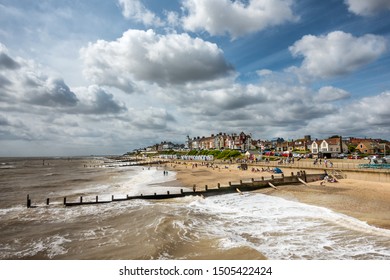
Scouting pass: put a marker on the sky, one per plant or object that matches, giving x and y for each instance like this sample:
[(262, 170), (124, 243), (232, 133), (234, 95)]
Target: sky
[(105, 77)]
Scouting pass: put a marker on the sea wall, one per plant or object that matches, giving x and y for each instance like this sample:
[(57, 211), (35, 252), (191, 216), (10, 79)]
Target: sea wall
[(368, 175), (374, 175)]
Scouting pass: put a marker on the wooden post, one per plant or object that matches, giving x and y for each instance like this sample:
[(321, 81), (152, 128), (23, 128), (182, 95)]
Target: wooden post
[(65, 200), (206, 187), (47, 201), (272, 177), (112, 197), (97, 199), (272, 186), (155, 194), (303, 182), (219, 185), (181, 191), (262, 178), (194, 188), (28, 201), (81, 199), (167, 192), (240, 182), (292, 174), (230, 183)]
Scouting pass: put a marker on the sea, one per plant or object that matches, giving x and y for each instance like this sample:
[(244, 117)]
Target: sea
[(229, 226)]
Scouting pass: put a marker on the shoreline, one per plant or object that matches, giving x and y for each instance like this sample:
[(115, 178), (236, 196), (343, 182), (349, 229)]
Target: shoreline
[(367, 201)]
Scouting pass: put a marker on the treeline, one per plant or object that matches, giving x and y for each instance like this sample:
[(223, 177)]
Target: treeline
[(217, 154)]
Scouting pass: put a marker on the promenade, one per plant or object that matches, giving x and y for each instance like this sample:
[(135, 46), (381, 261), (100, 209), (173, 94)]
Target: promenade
[(346, 168)]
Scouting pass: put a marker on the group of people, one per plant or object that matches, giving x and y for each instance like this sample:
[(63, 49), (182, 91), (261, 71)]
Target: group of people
[(327, 163), (273, 170), (261, 170), (287, 160), (328, 179)]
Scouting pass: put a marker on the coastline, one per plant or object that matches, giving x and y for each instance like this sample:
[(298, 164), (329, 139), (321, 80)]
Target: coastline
[(368, 201)]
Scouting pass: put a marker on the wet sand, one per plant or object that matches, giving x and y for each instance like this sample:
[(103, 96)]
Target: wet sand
[(367, 201)]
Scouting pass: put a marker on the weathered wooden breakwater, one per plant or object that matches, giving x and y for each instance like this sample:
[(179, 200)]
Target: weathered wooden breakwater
[(205, 191)]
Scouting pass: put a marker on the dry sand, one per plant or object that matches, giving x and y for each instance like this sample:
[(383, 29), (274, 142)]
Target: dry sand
[(365, 200)]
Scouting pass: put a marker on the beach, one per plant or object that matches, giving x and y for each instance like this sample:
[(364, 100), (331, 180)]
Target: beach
[(368, 201), (348, 220)]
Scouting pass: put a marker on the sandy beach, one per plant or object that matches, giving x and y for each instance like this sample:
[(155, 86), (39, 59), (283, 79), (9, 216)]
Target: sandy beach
[(367, 201)]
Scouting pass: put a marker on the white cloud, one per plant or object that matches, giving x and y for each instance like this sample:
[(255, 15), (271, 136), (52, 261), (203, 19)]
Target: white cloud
[(367, 7), (25, 87), (173, 18), (368, 116), (256, 107), (96, 100), (146, 56), (134, 9), (330, 93), (336, 53), (218, 17), (264, 72), (151, 119), (24, 81)]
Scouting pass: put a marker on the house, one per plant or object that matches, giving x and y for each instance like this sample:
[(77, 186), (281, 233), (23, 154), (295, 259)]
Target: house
[(220, 141), (315, 147), (368, 147), (286, 146), (330, 147), (302, 144), (193, 144), (206, 143)]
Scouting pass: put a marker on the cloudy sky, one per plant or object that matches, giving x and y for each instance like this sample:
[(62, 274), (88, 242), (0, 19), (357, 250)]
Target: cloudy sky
[(105, 77)]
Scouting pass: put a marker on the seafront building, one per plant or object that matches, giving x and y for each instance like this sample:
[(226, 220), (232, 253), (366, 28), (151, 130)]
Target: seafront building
[(332, 147)]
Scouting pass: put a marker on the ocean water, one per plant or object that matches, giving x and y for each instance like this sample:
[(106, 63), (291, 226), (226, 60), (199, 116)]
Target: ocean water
[(225, 226)]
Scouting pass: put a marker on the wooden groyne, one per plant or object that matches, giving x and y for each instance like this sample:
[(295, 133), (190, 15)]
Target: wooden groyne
[(241, 186)]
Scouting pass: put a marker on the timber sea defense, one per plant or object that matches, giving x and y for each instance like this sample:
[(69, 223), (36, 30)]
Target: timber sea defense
[(242, 186)]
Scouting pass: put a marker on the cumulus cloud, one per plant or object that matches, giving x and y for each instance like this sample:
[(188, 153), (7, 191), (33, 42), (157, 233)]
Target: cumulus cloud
[(237, 18), (336, 53), (24, 81), (372, 113), (7, 62), (367, 8), (330, 93), (4, 121), (96, 100), (151, 118), (135, 10), (264, 72), (27, 84), (50, 92), (146, 56), (255, 107)]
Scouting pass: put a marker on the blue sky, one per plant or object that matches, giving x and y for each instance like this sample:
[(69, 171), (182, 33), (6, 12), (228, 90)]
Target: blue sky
[(105, 77)]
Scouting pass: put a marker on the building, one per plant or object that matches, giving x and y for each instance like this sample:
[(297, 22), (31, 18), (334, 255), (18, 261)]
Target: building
[(330, 147), (221, 141), (373, 147)]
